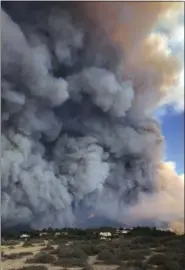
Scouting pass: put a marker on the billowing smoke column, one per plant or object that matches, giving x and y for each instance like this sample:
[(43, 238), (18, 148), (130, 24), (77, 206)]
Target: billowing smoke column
[(79, 84)]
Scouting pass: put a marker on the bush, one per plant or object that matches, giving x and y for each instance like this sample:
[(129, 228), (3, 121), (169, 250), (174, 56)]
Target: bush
[(36, 241), (161, 249), (71, 252), (122, 266), (41, 258), (133, 255), (11, 247), (181, 260), (33, 267), (164, 261), (88, 267), (10, 243), (114, 256), (14, 256), (174, 242), (91, 249), (58, 241), (142, 251), (27, 244), (160, 267), (158, 259), (105, 255), (69, 262), (144, 240), (48, 248), (136, 265)]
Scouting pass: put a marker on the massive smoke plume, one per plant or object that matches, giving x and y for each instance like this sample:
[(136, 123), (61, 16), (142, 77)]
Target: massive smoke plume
[(79, 84)]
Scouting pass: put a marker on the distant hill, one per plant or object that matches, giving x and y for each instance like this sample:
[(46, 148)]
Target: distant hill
[(96, 221), (100, 221), (15, 229)]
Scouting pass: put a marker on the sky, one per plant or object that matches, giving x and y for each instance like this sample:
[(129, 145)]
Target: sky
[(170, 117), (172, 125)]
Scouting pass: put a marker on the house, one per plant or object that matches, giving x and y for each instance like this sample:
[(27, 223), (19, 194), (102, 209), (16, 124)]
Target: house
[(57, 234), (165, 229), (121, 232), (124, 231), (43, 234), (105, 235), (64, 233), (24, 236), (69, 243)]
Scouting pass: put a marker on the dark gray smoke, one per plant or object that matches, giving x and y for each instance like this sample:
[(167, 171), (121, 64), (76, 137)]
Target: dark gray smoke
[(74, 141)]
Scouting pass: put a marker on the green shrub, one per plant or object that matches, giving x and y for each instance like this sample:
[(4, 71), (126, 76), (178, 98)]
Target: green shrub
[(48, 248), (69, 262), (122, 266), (71, 252), (14, 256), (144, 240), (90, 249), (98, 262), (142, 251), (160, 267), (136, 265), (27, 244), (41, 258), (161, 249), (88, 267), (33, 267), (164, 261), (10, 243), (158, 259), (133, 255), (36, 241), (105, 255), (11, 247), (58, 241), (174, 242)]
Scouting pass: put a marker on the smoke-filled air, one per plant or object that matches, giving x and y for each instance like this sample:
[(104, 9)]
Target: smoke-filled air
[(80, 83)]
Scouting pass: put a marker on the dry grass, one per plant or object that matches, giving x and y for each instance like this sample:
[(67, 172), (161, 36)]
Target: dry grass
[(125, 254), (41, 258), (33, 267)]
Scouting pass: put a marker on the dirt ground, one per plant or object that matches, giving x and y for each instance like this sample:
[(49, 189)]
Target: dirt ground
[(8, 264), (133, 252)]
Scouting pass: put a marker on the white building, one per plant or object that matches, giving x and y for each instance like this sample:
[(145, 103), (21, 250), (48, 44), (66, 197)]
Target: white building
[(43, 234), (105, 235), (24, 236), (118, 232), (123, 231), (64, 233), (69, 243), (57, 234), (165, 229)]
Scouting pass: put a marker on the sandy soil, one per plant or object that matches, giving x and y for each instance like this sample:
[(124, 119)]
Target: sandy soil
[(8, 264), (18, 263)]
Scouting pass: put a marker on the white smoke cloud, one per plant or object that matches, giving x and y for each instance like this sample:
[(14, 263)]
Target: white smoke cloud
[(77, 131), (169, 198), (105, 90), (21, 61)]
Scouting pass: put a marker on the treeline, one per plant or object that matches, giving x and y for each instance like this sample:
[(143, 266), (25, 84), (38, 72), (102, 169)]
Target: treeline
[(67, 233), (147, 231), (86, 234)]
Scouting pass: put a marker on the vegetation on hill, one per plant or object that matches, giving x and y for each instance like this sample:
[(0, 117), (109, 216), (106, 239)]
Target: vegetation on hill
[(85, 234), (139, 249)]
